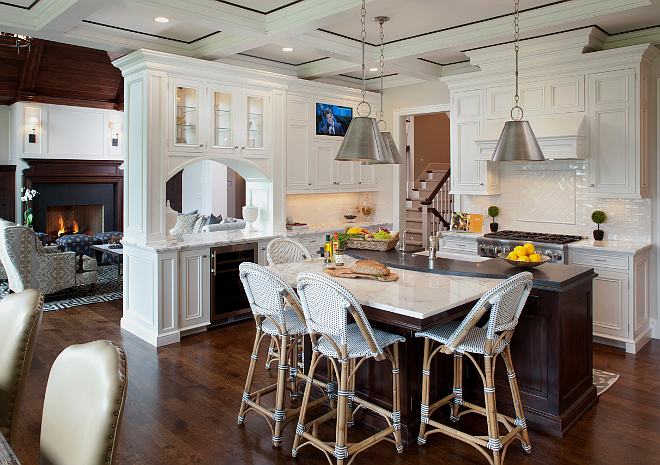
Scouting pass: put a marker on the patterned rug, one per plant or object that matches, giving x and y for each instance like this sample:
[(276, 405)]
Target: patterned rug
[(106, 289), (603, 380)]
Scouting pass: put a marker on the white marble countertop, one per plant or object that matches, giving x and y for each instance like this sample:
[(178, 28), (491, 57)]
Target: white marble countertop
[(238, 236), (614, 246), (416, 294)]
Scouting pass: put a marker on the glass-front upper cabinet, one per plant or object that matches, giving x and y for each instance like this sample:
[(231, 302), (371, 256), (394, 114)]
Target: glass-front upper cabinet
[(256, 117), (187, 122), (223, 105)]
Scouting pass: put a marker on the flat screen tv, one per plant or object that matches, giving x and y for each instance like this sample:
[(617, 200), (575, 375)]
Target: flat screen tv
[(332, 120)]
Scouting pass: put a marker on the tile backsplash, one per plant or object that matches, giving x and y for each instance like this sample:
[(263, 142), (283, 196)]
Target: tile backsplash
[(549, 197), (325, 208)]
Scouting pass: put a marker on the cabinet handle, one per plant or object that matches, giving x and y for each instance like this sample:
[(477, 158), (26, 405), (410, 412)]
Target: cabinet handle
[(599, 260), (591, 185)]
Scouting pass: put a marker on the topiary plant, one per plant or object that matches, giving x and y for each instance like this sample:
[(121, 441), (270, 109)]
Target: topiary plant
[(493, 212), (597, 217)]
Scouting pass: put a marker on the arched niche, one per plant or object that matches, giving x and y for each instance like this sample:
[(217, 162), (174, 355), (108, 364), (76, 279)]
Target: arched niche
[(251, 169)]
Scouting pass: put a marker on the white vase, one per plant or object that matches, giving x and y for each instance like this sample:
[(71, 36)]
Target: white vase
[(250, 215)]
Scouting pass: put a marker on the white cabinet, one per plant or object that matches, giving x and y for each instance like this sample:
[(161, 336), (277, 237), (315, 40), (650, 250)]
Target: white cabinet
[(261, 253), (620, 295), (194, 288), (186, 116), (255, 122), (298, 160), (458, 243), (470, 176), (320, 171), (367, 176), (223, 112)]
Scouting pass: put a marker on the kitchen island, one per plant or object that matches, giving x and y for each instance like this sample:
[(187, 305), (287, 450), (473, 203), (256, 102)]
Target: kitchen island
[(551, 347)]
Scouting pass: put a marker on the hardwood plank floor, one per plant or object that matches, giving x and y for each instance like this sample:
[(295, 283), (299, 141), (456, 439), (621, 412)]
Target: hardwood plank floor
[(183, 400)]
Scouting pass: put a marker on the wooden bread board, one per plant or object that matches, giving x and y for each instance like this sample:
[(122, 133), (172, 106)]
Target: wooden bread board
[(343, 272)]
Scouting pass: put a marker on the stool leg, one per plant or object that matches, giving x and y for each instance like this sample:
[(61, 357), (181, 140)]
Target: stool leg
[(293, 366), (341, 450), (303, 408), (282, 375), (271, 350), (248, 381), (458, 386), (396, 401), (517, 404), (494, 442), (426, 381), (351, 387)]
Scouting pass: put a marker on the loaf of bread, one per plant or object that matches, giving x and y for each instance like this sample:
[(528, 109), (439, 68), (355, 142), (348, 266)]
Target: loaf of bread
[(370, 267)]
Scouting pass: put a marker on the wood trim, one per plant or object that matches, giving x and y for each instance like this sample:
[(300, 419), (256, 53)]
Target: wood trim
[(79, 171), (30, 69), (70, 101)]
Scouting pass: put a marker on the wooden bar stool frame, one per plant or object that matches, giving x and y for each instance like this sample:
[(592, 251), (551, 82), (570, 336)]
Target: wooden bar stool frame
[(262, 286), (344, 365), (505, 303)]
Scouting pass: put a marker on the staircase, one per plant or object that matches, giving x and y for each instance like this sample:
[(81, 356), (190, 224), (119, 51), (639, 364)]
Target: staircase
[(443, 202)]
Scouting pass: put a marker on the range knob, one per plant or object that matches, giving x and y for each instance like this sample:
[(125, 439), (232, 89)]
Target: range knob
[(558, 256), (482, 248), (489, 249), (498, 249), (506, 250), (548, 254)]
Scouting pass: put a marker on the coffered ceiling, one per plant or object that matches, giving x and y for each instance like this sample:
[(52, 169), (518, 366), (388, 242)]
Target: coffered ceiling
[(424, 38)]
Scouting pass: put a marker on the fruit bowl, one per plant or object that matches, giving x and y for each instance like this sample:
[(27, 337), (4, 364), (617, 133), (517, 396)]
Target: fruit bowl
[(522, 264)]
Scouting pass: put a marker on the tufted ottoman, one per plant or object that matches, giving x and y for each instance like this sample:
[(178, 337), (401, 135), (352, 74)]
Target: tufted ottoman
[(107, 238), (79, 243)]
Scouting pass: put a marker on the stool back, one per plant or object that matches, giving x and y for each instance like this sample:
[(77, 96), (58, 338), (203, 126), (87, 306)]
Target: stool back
[(505, 303), (267, 293), (286, 250), (326, 305)]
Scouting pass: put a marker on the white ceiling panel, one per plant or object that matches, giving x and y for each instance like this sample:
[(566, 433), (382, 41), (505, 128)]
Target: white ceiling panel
[(274, 52), (20, 3), (262, 6)]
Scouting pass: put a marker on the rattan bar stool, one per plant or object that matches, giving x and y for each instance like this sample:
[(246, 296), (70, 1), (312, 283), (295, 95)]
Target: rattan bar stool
[(280, 251), (277, 313), (505, 303), (326, 306)]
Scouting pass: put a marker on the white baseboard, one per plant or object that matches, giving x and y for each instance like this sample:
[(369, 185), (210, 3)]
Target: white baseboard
[(655, 328)]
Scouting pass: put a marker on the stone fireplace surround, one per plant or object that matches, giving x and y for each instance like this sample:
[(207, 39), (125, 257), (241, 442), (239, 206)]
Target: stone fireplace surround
[(76, 182)]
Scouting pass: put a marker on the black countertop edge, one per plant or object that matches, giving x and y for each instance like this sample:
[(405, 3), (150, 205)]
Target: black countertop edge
[(549, 276)]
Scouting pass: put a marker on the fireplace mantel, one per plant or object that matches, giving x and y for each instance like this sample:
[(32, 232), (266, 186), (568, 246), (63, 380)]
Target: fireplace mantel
[(42, 171)]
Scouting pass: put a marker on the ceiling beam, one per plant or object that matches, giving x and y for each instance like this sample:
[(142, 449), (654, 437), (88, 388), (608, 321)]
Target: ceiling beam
[(118, 101), (30, 69)]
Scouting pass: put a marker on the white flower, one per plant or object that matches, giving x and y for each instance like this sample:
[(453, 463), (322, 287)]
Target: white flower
[(24, 198)]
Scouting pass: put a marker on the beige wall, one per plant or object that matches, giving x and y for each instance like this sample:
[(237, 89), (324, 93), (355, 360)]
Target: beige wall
[(431, 141), (418, 95)]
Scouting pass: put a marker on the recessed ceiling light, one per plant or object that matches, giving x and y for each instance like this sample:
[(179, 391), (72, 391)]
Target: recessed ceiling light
[(287, 49), (161, 19), (373, 69)]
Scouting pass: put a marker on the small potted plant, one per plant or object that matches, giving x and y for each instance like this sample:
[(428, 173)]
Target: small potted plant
[(28, 195), (599, 218), (493, 212)]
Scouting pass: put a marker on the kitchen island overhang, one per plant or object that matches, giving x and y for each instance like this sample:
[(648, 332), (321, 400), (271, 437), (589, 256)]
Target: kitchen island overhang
[(551, 347)]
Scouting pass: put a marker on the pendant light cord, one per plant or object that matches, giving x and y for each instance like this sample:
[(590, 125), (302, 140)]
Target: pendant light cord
[(516, 40)]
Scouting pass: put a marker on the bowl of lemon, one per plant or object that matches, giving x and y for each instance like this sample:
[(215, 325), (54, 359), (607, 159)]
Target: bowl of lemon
[(524, 256)]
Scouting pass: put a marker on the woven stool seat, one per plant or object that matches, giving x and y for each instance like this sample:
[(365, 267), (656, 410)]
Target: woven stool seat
[(294, 325), (356, 345), (474, 341)]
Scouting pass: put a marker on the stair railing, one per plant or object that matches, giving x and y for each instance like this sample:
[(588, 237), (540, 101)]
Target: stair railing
[(438, 206)]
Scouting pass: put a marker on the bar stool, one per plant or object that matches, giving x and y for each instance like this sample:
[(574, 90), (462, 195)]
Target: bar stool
[(326, 305), (280, 251), (505, 303), (277, 313)]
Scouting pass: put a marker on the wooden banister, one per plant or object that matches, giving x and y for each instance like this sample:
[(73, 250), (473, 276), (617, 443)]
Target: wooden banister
[(442, 182)]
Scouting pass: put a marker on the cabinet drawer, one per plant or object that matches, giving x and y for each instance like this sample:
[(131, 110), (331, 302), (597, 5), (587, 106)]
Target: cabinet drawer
[(457, 246), (580, 258)]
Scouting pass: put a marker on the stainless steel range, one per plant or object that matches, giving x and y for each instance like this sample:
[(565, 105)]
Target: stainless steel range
[(554, 246)]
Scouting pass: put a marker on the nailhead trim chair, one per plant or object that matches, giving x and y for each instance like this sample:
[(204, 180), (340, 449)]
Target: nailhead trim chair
[(84, 405), (326, 306), (505, 303), (277, 313), (20, 319)]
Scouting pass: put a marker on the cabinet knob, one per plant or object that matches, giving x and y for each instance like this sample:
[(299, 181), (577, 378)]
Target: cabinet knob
[(242, 148), (309, 183), (592, 185), (201, 145), (481, 183), (359, 182), (235, 146), (203, 256)]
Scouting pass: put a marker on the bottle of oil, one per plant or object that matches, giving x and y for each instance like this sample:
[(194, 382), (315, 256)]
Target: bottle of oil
[(335, 246), (327, 249)]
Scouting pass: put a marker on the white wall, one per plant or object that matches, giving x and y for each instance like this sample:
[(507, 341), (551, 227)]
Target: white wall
[(419, 95), (192, 187), (204, 188), (4, 135)]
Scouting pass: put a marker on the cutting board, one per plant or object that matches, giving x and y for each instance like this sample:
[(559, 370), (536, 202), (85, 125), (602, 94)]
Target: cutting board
[(343, 272)]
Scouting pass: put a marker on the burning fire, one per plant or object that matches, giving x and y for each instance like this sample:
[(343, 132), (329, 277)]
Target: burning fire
[(62, 229), (75, 226)]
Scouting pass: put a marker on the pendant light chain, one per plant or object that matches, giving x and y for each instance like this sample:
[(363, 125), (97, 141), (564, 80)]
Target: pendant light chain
[(382, 65), (364, 38), (516, 41)]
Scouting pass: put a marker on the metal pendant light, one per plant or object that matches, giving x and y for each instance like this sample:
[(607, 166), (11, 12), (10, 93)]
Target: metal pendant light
[(393, 156), (363, 141), (517, 141), (18, 41)]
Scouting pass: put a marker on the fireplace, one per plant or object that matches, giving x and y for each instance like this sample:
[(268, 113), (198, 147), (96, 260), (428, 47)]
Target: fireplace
[(87, 192)]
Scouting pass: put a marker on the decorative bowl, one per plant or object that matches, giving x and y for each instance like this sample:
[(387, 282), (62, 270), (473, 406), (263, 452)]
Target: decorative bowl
[(521, 264)]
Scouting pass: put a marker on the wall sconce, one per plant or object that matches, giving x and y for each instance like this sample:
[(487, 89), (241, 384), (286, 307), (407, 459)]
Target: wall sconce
[(114, 137), (32, 138)]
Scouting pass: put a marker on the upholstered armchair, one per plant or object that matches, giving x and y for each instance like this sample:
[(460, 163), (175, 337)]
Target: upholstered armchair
[(29, 265)]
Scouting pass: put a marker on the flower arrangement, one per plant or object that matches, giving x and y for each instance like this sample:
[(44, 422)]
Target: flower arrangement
[(28, 195)]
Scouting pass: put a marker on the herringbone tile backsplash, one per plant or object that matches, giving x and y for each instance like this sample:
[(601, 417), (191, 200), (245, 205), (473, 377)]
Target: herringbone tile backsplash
[(548, 197)]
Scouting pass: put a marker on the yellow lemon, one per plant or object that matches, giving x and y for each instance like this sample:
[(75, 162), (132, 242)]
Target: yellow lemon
[(523, 258), (530, 248), (520, 251), (535, 257), (512, 256)]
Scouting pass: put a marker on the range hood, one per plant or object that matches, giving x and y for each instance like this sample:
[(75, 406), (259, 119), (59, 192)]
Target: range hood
[(561, 137)]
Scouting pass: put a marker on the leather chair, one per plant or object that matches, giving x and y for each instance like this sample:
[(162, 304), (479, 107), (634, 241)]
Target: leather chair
[(29, 265), (84, 405), (20, 318)]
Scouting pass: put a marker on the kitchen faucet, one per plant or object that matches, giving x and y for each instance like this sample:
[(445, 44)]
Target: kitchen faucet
[(402, 246)]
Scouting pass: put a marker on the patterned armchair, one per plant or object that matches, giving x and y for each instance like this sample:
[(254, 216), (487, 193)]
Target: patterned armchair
[(30, 265)]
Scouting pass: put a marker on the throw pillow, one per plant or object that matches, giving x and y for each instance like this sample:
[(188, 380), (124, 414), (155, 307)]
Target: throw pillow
[(194, 212), (214, 219), (200, 223), (184, 224)]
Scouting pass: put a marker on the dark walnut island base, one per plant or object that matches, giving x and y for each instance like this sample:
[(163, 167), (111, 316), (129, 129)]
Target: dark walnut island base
[(551, 347)]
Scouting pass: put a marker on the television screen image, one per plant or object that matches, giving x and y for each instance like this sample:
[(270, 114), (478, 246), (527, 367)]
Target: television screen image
[(332, 120)]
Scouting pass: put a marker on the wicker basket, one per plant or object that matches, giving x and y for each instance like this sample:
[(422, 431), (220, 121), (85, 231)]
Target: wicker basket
[(373, 244)]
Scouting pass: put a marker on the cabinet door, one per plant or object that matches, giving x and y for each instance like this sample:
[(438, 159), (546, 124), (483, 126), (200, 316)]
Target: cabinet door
[(324, 165), (612, 158), (344, 173), (298, 158), (610, 303), (222, 109), (366, 175), (186, 120), (195, 289), (255, 121)]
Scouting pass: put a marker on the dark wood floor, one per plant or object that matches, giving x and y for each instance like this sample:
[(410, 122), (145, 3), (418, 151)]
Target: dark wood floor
[(183, 400)]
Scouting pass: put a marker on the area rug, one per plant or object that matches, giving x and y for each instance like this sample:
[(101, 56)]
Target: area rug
[(106, 289), (603, 380)]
